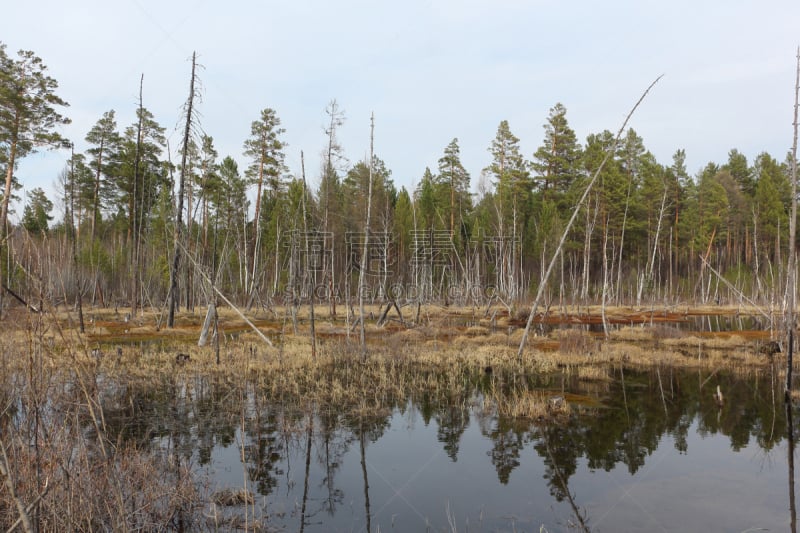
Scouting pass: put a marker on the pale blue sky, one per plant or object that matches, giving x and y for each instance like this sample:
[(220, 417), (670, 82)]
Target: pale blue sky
[(430, 70)]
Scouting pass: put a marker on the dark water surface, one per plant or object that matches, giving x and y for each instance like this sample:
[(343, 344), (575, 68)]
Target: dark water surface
[(646, 451)]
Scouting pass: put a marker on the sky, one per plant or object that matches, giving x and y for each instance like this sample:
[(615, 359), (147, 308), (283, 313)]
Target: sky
[(429, 70)]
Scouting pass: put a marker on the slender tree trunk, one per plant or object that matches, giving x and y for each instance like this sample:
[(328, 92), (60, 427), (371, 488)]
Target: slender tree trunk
[(362, 441), (792, 281), (790, 460), (257, 237), (587, 249), (310, 433), (189, 241), (4, 237), (96, 192), (651, 263), (173, 290), (78, 295), (133, 227), (7, 191), (364, 252), (329, 270), (605, 279), (622, 240), (308, 272)]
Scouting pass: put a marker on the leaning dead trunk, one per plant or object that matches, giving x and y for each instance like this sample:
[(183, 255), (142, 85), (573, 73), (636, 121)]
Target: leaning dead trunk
[(567, 229)]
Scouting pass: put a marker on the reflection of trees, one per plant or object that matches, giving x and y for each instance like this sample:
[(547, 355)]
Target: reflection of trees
[(790, 436), (558, 478), (640, 409), (554, 445), (368, 427), (333, 444), (186, 414), (268, 433), (452, 422), (215, 406), (751, 409), (508, 441)]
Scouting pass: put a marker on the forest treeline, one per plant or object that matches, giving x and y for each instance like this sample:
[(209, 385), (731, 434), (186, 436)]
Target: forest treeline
[(649, 232)]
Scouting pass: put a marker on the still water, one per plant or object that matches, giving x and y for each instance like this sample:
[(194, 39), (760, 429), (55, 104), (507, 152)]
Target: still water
[(644, 451)]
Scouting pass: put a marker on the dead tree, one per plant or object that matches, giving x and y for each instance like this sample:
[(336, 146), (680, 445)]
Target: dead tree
[(364, 251), (792, 281), (173, 285), (134, 240), (307, 251)]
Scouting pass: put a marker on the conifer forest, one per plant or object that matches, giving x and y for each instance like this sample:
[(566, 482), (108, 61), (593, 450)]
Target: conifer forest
[(140, 218)]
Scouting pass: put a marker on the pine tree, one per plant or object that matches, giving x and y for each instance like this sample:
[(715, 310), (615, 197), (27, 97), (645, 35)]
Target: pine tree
[(266, 150), (741, 172), (511, 179), (557, 161), (209, 183), (28, 118), (429, 203), (104, 149), (513, 190), (772, 198), (453, 179), (36, 215), (403, 228), (142, 146)]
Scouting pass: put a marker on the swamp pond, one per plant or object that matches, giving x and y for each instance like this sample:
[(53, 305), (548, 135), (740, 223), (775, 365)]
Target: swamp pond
[(641, 451)]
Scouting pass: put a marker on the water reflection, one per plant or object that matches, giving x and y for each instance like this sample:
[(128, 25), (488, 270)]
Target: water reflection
[(442, 462)]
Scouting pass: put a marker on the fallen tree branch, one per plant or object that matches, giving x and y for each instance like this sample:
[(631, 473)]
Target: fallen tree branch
[(208, 279), (20, 300), (737, 291)]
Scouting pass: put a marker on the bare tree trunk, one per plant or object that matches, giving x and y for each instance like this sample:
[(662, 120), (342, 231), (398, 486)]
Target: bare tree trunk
[(651, 263), (173, 289), (257, 240), (310, 433), (307, 251), (364, 252), (790, 460), (587, 249), (362, 441), (606, 276), (5, 249), (78, 296), (586, 192), (134, 240), (792, 281), (622, 241), (189, 241), (329, 270)]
